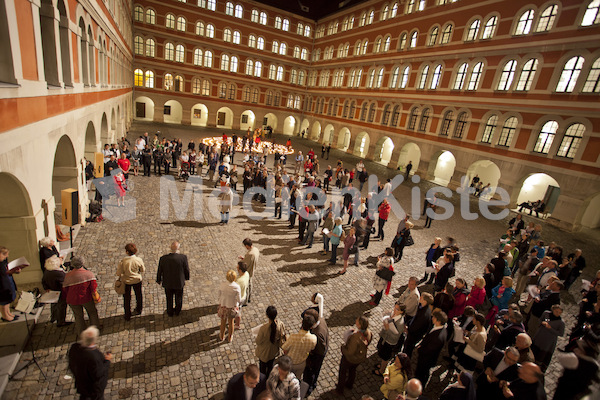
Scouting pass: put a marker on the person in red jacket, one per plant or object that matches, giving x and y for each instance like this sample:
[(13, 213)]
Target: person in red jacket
[(384, 213), (79, 288)]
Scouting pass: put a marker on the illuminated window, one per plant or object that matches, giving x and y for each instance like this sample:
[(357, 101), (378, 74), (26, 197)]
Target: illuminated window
[(138, 14), (488, 130), (168, 82), (179, 53), (200, 28), (181, 24), (433, 34), (508, 132), (591, 16), (524, 24), (571, 141), (251, 41), (446, 34), (300, 28), (150, 47), (386, 44), (304, 54), (435, 79), (413, 40), (208, 57), (210, 31), (394, 10), (410, 7), (239, 11), (460, 76), (211, 5), (224, 62), (402, 42), (490, 28), (592, 83), (150, 17), (227, 35), (169, 51), (547, 18), (234, 64), (473, 31), (569, 75), (237, 37), (404, 77), (170, 21), (475, 76), (307, 31), (283, 49), (508, 73), (258, 69), (275, 46), (384, 13), (138, 77), (254, 16), (370, 17), (149, 79), (229, 8), (285, 25), (395, 116), (527, 75), (138, 45), (280, 73), (423, 78), (205, 88), (446, 123), (260, 43), (546, 137), (196, 85), (197, 57), (277, 22), (263, 18), (394, 77)]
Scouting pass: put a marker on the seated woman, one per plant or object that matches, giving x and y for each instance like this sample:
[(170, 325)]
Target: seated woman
[(47, 250)]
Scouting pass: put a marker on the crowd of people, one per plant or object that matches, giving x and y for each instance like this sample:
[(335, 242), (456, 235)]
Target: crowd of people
[(497, 334)]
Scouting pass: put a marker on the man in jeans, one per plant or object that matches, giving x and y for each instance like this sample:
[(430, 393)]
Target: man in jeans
[(78, 288)]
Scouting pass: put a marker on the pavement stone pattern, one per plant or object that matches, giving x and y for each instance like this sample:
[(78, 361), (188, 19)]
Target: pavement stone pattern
[(181, 357)]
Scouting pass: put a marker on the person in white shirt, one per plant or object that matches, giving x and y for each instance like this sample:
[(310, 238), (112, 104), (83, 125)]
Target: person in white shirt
[(230, 296)]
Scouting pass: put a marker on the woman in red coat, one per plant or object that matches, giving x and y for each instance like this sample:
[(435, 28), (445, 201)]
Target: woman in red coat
[(460, 298), (477, 295)]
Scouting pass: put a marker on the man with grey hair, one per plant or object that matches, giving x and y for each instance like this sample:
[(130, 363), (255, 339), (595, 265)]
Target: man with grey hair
[(79, 289), (414, 390), (89, 366), (499, 366), (173, 271)]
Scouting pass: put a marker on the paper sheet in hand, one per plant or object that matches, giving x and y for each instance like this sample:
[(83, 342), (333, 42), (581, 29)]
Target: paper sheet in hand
[(50, 297), (430, 270), (255, 330), (585, 285), (533, 291), (386, 318), (19, 262), (65, 252), (325, 231), (458, 334)]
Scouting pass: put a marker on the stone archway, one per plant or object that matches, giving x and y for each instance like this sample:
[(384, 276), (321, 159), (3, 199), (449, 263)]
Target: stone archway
[(144, 109), (589, 215), (104, 134), (410, 152), (270, 119), (361, 145), (289, 125), (304, 127), (442, 169), (247, 120), (487, 171), (344, 137), (64, 173), (315, 131), (199, 115), (328, 133), (91, 146), (172, 112), (539, 186), (383, 150)]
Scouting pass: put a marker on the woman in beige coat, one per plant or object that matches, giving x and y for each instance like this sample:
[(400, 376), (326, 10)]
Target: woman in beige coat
[(474, 349), (130, 272), (271, 336)]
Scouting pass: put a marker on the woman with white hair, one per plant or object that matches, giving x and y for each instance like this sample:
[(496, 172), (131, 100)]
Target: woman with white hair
[(47, 250), (89, 366), (53, 279)]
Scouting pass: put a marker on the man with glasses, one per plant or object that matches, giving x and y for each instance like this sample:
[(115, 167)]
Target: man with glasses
[(247, 385), (499, 366)]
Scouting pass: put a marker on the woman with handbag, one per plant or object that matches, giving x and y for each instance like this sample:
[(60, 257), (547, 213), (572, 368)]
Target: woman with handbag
[(129, 274), (474, 348), (401, 240), (230, 296), (271, 336), (383, 276), (349, 248), (391, 337)]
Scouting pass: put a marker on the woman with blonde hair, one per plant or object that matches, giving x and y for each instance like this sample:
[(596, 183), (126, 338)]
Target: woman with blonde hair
[(477, 295), (230, 296)]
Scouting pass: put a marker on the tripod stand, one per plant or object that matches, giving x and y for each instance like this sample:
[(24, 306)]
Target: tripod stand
[(33, 359)]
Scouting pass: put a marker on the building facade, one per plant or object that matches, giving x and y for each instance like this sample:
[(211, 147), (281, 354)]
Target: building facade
[(65, 88), (504, 90)]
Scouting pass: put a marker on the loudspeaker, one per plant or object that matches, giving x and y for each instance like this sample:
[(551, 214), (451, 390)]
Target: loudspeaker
[(98, 165), (70, 206)]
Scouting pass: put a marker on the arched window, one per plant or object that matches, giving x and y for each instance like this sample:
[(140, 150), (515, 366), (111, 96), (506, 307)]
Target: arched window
[(304, 54), (402, 42), (446, 34), (181, 24), (280, 73), (277, 23), (385, 117), (591, 16), (461, 123), (437, 75), (246, 94), (508, 132), (370, 17), (269, 97), (547, 18), (234, 64), (410, 6), (412, 119), (384, 13), (524, 24), (508, 73), (229, 8), (210, 31), (490, 28), (371, 117), (394, 10), (224, 62), (237, 37), (168, 82), (205, 87), (251, 41), (150, 17), (196, 86), (386, 43), (473, 31), (413, 40), (475, 76), (394, 77), (571, 141), (377, 46), (138, 75), (424, 120), (255, 94), (569, 75), (446, 123), (138, 45), (222, 90), (423, 78), (232, 91), (179, 53), (150, 47), (404, 77), (307, 31), (365, 45), (527, 75), (352, 110), (488, 130), (260, 43), (433, 34), (296, 52), (254, 16), (263, 18), (227, 35), (170, 21), (149, 79), (363, 111), (138, 14), (258, 69), (285, 25), (239, 11), (200, 28), (299, 28), (592, 83), (275, 46), (249, 67), (169, 51), (283, 49), (198, 57), (546, 137), (208, 57), (395, 116), (371, 78), (460, 76)]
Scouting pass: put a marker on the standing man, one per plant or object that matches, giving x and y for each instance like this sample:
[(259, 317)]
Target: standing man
[(410, 298), (328, 150), (317, 355), (431, 346), (247, 385), (299, 163), (89, 366), (384, 213), (407, 172), (299, 345), (146, 160), (251, 260), (173, 271)]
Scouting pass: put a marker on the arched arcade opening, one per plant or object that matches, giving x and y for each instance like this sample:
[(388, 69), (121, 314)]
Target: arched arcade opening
[(172, 112), (539, 187), (199, 115), (144, 109), (383, 150), (344, 139), (361, 145), (410, 153), (289, 125), (315, 131), (442, 167), (487, 172), (247, 120)]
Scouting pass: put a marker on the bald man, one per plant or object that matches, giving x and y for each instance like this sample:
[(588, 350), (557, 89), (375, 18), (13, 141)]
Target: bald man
[(173, 271), (529, 385)]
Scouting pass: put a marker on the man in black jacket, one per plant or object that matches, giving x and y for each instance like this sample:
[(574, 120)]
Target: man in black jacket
[(317, 355), (420, 324), (431, 346), (173, 271), (89, 366), (499, 366), (247, 385)]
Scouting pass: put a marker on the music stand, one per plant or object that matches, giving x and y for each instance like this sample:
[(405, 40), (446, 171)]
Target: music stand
[(25, 308)]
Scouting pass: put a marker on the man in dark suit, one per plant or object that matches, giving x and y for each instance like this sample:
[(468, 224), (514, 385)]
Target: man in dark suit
[(89, 366), (247, 385), (547, 299), (420, 323), (173, 271), (431, 346), (317, 355), (499, 366)]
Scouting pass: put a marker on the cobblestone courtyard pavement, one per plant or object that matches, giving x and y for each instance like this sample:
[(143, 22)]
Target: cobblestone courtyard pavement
[(181, 357)]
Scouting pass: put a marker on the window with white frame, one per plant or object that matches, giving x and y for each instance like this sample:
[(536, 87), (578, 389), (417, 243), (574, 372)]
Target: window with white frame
[(198, 57), (446, 34), (255, 94), (205, 87), (490, 27), (150, 17), (277, 23), (200, 28), (370, 17), (383, 15), (402, 41), (433, 34), (592, 14), (168, 82), (260, 43), (249, 67), (258, 69), (280, 73), (363, 19), (370, 118), (508, 132), (570, 74), (413, 40), (377, 45), (386, 43), (488, 130), (571, 141), (252, 41), (196, 85), (300, 28), (254, 16), (211, 5), (508, 73), (473, 31), (404, 77), (527, 75), (239, 11), (263, 18), (365, 45), (307, 31), (394, 77), (229, 8), (436, 77), (149, 79), (224, 62), (423, 77), (302, 77), (181, 24), (283, 49), (394, 11), (210, 31), (169, 52), (525, 22), (138, 14), (227, 35), (170, 21), (395, 115), (475, 76), (410, 6), (547, 17), (592, 83), (178, 83), (385, 116), (237, 37), (304, 54), (272, 71), (275, 46), (546, 137), (461, 75), (150, 47), (138, 45), (208, 59)]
